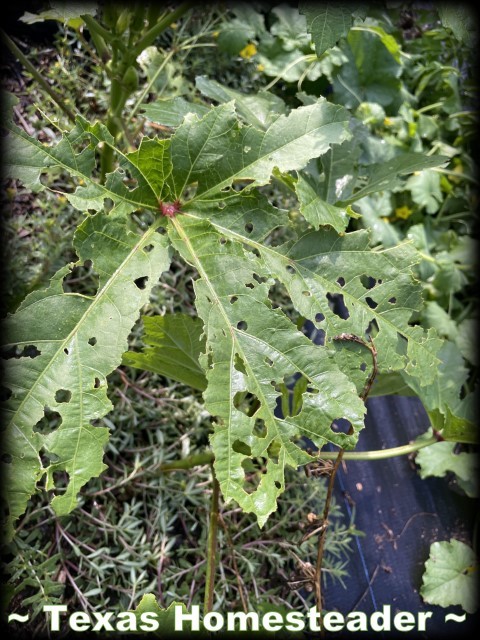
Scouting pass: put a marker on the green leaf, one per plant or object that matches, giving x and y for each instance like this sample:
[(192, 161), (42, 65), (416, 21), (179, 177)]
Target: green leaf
[(315, 209), (444, 393), (237, 32), (386, 176), (171, 112), (425, 189), (199, 148), (322, 268), (460, 20), (327, 23), (65, 12), (291, 27), (65, 344), (454, 428), (174, 348), (165, 617), (466, 340), (451, 576), (440, 458), (372, 73), (259, 110), (251, 348)]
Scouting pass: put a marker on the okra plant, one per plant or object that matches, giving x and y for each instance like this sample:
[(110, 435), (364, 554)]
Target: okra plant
[(203, 191)]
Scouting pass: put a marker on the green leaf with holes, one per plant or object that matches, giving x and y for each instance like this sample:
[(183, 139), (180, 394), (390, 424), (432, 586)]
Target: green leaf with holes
[(251, 351), (60, 349)]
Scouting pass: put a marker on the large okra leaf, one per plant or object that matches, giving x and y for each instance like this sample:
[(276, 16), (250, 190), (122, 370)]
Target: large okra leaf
[(59, 348), (251, 348)]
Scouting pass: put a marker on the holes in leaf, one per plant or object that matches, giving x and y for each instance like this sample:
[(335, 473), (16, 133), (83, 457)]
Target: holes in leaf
[(371, 303), (392, 300), (63, 395), (60, 479), (368, 281), (259, 428), (6, 458), (148, 248), (259, 279), (307, 294), (222, 240), (97, 383), (363, 366), (372, 328), (341, 281), (81, 279), (141, 282), (250, 285), (29, 351), (246, 402), (277, 484), (240, 447), (249, 227), (291, 392), (92, 341), (255, 252), (239, 364), (319, 317), (66, 351), (242, 325), (341, 425), (161, 230), (50, 421), (5, 393), (268, 361), (337, 305), (233, 299), (317, 336), (254, 469), (290, 269)]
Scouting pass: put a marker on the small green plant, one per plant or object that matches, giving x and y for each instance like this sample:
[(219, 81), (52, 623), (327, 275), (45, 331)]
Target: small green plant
[(202, 192)]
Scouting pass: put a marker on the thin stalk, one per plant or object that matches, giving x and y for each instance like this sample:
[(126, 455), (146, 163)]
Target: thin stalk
[(212, 546), (160, 26), (354, 456), (38, 77)]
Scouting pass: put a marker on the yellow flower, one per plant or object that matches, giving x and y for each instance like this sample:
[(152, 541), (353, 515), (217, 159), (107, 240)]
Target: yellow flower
[(62, 199), (260, 67), (388, 122), (403, 212), (248, 52), (215, 34)]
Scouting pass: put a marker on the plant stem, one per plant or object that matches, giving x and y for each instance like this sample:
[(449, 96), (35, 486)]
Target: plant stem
[(160, 26), (38, 77), (355, 456), (211, 546)]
